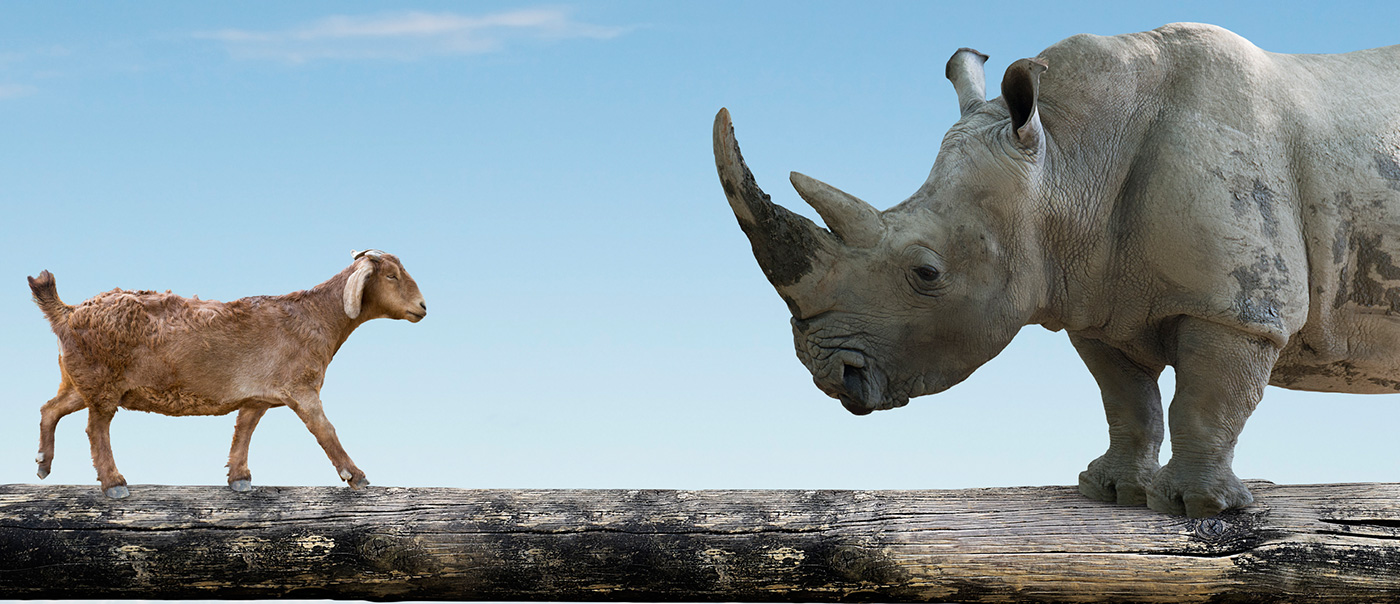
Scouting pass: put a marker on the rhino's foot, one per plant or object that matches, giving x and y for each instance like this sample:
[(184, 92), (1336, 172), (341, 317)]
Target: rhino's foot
[(1117, 479), (241, 486), (1196, 490)]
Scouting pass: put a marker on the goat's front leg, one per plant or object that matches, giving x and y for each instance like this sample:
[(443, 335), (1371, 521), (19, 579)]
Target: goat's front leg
[(239, 477), (1220, 377), (308, 408), (65, 402), (100, 439)]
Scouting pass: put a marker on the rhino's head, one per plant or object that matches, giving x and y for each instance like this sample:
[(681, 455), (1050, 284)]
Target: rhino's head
[(891, 305)]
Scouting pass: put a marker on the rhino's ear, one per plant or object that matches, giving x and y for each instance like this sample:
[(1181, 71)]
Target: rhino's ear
[(1020, 88), (964, 70)]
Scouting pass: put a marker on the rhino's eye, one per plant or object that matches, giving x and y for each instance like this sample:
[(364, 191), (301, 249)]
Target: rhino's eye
[(923, 274), (926, 280)]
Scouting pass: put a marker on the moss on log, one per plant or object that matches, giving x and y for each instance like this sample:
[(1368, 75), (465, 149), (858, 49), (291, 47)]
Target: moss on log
[(1337, 543)]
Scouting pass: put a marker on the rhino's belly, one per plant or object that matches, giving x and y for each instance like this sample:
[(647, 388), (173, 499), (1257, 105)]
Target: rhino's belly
[(1341, 376), (1359, 354)]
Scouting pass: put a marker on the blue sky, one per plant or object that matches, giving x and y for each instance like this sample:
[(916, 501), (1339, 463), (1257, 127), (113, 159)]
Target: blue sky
[(544, 170)]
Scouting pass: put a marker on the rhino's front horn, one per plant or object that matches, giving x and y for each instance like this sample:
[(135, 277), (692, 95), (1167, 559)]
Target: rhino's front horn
[(857, 223), (787, 246), (965, 71)]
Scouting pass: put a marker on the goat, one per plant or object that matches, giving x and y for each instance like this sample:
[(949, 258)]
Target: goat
[(166, 354)]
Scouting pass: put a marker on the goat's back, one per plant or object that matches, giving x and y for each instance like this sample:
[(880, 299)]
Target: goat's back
[(169, 354)]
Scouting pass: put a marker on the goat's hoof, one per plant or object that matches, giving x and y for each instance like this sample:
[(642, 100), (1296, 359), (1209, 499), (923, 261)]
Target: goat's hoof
[(118, 492), (43, 473), (361, 483), (242, 486)]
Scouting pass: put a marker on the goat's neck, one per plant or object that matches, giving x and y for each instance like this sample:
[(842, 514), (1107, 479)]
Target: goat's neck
[(326, 307)]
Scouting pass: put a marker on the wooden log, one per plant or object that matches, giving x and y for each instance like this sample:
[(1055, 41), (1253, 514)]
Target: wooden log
[(1323, 543)]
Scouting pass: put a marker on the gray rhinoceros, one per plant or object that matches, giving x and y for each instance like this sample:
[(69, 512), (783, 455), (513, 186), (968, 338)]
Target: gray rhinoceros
[(1174, 197)]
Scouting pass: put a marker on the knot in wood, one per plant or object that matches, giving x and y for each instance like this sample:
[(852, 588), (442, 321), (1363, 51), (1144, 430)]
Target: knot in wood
[(1210, 529)]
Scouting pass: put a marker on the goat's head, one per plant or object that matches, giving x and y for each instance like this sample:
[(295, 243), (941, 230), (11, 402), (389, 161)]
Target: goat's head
[(378, 286)]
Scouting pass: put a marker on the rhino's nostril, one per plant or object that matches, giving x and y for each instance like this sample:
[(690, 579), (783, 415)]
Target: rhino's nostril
[(853, 379), (855, 397)]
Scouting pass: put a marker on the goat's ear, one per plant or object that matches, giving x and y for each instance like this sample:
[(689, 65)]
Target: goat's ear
[(355, 287)]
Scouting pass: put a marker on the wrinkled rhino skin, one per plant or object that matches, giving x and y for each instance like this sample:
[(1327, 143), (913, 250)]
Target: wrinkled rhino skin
[(1174, 197)]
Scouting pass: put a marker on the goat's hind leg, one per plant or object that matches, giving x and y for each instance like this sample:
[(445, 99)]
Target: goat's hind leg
[(240, 478), (100, 438), (65, 402)]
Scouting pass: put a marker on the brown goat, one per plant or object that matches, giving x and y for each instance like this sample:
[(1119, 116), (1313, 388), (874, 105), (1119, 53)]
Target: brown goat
[(166, 354)]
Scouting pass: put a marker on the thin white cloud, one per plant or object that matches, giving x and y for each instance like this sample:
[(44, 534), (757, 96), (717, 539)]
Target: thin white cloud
[(406, 36), (11, 91), (29, 65)]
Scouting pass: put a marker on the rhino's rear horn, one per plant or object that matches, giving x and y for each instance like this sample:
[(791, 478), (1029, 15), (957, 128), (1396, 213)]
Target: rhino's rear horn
[(965, 71), (787, 246), (857, 223)]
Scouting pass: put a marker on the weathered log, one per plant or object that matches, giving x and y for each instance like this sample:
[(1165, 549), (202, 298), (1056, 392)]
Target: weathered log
[(1338, 543)]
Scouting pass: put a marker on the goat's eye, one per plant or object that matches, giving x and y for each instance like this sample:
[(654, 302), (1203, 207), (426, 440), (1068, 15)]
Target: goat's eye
[(926, 273), (391, 277)]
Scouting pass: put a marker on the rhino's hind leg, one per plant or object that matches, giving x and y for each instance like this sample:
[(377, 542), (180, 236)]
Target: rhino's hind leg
[(1220, 377), (1133, 406)]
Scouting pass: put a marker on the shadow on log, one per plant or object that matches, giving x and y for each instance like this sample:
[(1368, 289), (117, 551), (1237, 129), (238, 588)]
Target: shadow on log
[(1338, 543)]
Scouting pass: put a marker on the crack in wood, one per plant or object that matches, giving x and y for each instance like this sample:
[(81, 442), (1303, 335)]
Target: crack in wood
[(1381, 522), (1361, 535)]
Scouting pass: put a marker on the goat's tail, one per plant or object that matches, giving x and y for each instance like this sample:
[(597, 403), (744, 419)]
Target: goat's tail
[(46, 296)]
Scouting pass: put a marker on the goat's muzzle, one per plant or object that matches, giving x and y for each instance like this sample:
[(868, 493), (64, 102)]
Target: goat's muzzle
[(417, 315)]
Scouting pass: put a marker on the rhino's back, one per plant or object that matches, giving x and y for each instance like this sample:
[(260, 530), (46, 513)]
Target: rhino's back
[(1255, 189), (1210, 72)]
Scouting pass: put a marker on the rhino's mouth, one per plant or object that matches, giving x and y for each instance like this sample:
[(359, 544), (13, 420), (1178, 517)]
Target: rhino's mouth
[(847, 374), (863, 391)]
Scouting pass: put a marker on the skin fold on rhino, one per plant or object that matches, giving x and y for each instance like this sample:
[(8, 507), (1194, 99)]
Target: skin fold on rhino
[(1174, 197)]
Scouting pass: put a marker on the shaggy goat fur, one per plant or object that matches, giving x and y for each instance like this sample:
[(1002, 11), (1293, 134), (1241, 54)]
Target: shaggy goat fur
[(166, 354)]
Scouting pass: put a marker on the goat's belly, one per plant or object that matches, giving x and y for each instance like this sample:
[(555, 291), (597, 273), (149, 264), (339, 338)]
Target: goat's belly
[(176, 402)]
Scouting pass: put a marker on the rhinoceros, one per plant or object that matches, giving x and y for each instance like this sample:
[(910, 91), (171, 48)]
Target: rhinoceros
[(1173, 197)]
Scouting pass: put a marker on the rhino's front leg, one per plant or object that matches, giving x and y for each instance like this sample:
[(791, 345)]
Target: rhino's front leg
[(1220, 377), (1133, 406)]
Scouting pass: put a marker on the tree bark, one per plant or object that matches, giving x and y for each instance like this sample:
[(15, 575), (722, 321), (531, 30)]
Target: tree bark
[(1337, 543)]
